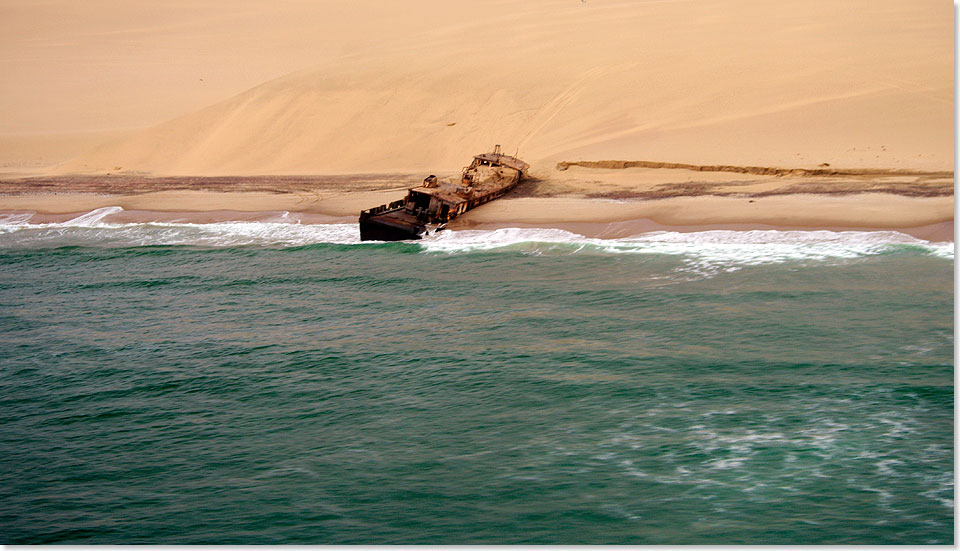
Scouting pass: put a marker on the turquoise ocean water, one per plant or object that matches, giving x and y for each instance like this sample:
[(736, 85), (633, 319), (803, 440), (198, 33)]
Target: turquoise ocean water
[(283, 383)]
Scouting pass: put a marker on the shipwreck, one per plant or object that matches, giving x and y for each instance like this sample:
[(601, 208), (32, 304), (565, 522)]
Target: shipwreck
[(430, 206)]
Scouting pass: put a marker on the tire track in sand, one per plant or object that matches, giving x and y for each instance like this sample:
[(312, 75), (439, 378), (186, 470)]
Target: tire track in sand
[(761, 170)]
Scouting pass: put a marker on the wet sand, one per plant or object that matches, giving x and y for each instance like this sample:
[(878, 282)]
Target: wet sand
[(599, 202)]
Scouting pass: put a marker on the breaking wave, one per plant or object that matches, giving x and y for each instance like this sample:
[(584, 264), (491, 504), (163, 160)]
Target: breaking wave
[(91, 230), (703, 252), (732, 249)]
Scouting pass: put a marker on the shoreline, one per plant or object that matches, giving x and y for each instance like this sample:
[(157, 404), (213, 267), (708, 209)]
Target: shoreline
[(603, 201), (927, 218)]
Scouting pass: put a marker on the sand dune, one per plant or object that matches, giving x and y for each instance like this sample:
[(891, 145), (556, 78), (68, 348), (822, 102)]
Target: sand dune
[(36, 153), (865, 84)]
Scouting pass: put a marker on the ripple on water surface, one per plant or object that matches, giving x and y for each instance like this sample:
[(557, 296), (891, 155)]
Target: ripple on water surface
[(172, 383)]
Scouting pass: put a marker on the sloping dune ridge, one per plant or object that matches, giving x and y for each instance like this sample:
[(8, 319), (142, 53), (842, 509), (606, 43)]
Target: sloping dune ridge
[(740, 82)]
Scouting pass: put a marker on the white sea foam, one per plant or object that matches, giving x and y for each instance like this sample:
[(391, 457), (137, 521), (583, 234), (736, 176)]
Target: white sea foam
[(93, 218), (91, 229), (707, 251), (739, 247), (15, 219)]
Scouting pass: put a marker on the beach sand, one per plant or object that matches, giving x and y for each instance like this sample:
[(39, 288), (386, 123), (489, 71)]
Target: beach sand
[(627, 202)]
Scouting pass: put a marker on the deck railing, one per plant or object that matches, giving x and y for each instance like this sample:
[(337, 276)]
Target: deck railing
[(396, 205)]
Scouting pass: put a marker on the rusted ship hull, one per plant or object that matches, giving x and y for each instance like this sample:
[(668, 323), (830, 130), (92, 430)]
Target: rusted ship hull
[(391, 226), (436, 202)]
